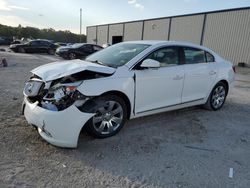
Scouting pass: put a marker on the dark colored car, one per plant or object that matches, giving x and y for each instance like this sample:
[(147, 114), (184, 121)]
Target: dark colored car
[(5, 40), (78, 50), (34, 46), (61, 44), (16, 42)]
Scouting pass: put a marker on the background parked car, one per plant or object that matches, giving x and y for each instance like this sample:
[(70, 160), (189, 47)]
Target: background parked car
[(59, 44), (34, 46), (22, 40), (106, 45), (78, 50), (5, 40), (16, 42)]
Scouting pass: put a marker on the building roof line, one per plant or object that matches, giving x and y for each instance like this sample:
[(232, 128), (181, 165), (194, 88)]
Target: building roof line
[(192, 14)]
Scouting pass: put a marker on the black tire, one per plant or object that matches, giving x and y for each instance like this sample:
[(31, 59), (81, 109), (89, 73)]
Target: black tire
[(210, 104), (51, 52), (92, 128), (21, 50), (72, 55)]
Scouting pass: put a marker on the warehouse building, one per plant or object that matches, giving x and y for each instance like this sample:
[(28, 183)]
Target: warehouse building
[(227, 32)]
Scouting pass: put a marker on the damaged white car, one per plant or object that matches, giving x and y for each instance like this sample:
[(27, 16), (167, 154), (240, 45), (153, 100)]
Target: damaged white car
[(124, 81)]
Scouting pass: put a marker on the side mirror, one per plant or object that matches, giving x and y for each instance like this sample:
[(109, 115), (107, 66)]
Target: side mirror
[(150, 63)]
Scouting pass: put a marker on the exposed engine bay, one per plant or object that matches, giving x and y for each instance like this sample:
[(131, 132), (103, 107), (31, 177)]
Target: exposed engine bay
[(61, 93)]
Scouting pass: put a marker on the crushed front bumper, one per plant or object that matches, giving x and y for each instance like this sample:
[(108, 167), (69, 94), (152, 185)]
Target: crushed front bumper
[(59, 128)]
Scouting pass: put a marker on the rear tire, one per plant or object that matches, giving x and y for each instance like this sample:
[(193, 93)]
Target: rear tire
[(217, 97), (110, 116), (51, 52)]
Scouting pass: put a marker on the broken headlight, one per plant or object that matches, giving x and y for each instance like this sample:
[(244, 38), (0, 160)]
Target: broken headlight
[(61, 96)]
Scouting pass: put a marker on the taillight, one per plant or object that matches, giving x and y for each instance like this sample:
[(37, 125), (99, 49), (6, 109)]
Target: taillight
[(234, 69)]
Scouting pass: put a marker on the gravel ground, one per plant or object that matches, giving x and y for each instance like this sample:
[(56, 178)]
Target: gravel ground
[(185, 148)]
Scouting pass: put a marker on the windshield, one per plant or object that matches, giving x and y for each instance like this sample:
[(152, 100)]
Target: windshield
[(117, 55)]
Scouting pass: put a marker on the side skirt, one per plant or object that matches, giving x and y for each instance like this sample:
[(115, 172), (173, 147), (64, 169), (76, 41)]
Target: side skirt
[(170, 108)]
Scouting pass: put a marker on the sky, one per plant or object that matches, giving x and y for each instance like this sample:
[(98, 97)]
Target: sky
[(64, 14)]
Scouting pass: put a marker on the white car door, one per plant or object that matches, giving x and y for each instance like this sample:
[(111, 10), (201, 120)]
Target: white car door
[(200, 74), (159, 87)]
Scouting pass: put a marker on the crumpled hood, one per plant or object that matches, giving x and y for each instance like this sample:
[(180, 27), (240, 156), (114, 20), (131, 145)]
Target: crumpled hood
[(52, 71)]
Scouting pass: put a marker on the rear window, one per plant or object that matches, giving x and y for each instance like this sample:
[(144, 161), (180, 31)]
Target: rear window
[(194, 55), (97, 48), (209, 57)]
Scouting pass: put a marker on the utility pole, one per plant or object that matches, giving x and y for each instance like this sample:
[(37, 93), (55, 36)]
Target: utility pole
[(80, 25)]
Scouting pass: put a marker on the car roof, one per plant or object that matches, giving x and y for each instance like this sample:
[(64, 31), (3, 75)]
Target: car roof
[(41, 40), (156, 42), (177, 43)]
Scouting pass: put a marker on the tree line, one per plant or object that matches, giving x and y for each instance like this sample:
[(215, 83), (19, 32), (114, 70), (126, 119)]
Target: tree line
[(35, 33)]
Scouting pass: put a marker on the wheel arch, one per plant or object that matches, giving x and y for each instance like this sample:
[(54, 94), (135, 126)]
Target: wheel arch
[(123, 96), (224, 82)]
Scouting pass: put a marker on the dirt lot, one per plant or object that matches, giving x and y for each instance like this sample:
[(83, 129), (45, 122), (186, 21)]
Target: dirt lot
[(185, 148)]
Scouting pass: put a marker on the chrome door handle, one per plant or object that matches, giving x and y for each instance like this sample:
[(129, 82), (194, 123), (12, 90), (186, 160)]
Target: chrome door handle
[(178, 77), (212, 72)]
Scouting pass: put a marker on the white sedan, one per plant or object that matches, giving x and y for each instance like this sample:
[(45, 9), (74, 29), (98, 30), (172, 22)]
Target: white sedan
[(124, 81)]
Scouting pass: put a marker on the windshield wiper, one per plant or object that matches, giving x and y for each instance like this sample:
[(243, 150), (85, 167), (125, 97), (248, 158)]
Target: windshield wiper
[(99, 62)]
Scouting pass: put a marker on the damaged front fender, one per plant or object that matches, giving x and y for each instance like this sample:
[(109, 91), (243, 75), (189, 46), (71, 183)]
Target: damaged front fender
[(60, 128)]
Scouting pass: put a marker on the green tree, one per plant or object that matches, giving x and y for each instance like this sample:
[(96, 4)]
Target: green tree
[(32, 32)]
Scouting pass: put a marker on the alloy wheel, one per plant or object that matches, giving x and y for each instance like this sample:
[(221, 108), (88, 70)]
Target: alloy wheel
[(218, 97), (21, 50), (72, 56), (108, 117), (51, 52)]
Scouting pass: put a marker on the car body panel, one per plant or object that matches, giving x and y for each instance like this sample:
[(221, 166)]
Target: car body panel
[(160, 87), (60, 69), (121, 81), (198, 80), (148, 90), (80, 52), (169, 108)]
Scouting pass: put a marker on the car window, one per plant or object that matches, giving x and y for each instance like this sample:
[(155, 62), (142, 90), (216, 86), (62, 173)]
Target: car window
[(193, 55), (87, 48), (166, 56), (44, 43), (209, 57), (34, 43), (97, 48)]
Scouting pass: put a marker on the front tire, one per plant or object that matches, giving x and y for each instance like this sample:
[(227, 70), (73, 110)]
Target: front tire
[(110, 117), (72, 56), (51, 52), (21, 50), (217, 97)]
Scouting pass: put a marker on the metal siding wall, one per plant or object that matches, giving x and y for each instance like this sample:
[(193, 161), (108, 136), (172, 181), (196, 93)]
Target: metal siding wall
[(228, 34), (115, 30), (187, 28), (133, 31), (156, 29), (91, 35), (102, 35)]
